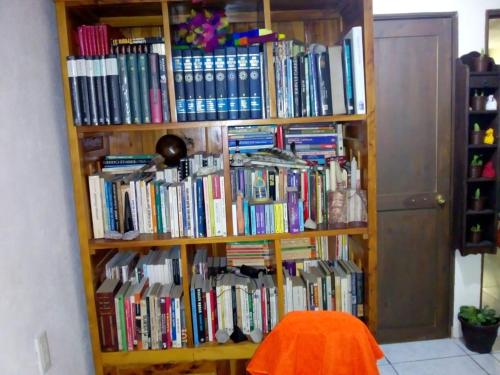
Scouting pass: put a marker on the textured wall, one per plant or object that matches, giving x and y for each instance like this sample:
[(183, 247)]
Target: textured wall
[(40, 273)]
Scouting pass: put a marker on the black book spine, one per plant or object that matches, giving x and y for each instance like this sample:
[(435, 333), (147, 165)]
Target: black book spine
[(187, 63), (297, 110), (92, 87), (221, 83), (113, 85), (255, 82), (234, 305), (302, 86), (126, 113), (134, 89), (105, 90), (100, 90), (81, 67), (324, 84), (180, 98), (210, 101), (232, 83), (199, 85), (243, 83), (74, 90), (162, 68), (116, 218), (199, 313), (143, 65)]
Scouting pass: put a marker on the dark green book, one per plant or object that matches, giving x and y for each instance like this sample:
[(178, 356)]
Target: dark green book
[(143, 64), (126, 114), (135, 92)]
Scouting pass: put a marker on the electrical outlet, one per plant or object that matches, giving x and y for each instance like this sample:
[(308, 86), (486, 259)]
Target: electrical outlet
[(43, 352)]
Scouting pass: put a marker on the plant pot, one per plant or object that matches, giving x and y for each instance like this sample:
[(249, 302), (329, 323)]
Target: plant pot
[(475, 237), (479, 339), (477, 138), (475, 171), (478, 204), (478, 103), (480, 64)]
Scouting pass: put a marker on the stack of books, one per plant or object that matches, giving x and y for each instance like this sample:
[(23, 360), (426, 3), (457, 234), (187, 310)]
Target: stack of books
[(225, 84), (252, 253), (251, 139), (124, 85), (320, 80), (221, 301), (173, 201), (123, 164), (140, 304), (324, 285)]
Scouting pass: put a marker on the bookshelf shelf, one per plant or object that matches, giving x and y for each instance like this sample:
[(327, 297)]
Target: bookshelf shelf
[(483, 147), (146, 240), (210, 124), (482, 112), (482, 212), (481, 179)]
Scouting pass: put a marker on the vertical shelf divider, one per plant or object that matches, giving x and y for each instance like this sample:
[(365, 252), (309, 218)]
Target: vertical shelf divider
[(227, 180), (279, 279), (270, 66)]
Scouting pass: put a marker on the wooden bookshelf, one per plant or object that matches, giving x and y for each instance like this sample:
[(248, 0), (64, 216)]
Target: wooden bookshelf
[(306, 20)]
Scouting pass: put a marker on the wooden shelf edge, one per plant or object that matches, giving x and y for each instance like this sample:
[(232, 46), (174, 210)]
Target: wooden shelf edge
[(149, 240), (211, 124), (206, 352)]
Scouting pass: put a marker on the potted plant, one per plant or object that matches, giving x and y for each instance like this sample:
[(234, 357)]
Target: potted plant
[(476, 166), (476, 232), (479, 327), (478, 201), (477, 135), (477, 102), (480, 63)]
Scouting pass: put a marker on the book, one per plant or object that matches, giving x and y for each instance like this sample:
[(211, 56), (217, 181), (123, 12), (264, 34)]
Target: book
[(187, 65), (199, 84), (105, 90), (113, 86), (92, 90), (210, 82), (243, 83), (254, 73), (180, 99), (106, 314), (221, 84), (125, 103), (162, 70), (336, 80), (354, 39), (232, 83), (144, 89), (71, 66), (155, 95), (134, 88)]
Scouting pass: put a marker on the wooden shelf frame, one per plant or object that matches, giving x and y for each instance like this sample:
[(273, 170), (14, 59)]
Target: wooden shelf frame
[(347, 13)]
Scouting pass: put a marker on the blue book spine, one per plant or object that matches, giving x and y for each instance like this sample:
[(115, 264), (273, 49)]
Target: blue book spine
[(180, 99), (246, 217), (349, 92), (202, 230), (194, 317), (250, 142), (301, 215), (135, 91), (232, 83), (174, 322), (268, 218), (199, 85), (109, 204), (310, 140), (221, 84), (253, 220), (187, 64), (255, 82), (210, 100), (243, 83)]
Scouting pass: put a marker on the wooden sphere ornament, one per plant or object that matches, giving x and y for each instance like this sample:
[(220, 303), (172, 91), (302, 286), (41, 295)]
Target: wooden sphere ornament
[(172, 148)]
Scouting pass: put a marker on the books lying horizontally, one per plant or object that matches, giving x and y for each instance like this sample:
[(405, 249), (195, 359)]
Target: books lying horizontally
[(320, 80), (226, 300), (334, 247), (250, 253), (225, 84), (128, 86), (140, 303), (324, 285), (160, 202), (250, 139)]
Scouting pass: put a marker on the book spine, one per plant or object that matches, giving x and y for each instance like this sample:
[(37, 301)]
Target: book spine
[(232, 83), (221, 84), (187, 63), (180, 98), (162, 69), (96, 206), (99, 89), (210, 98), (255, 82), (302, 85), (92, 88), (81, 67), (124, 89), (199, 85), (155, 98), (106, 316), (134, 88), (325, 95), (143, 69), (199, 315), (74, 90), (359, 71), (113, 86), (349, 88), (243, 83), (105, 90), (296, 87)]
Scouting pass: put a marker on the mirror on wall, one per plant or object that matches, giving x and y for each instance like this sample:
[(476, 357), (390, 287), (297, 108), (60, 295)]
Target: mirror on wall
[(493, 34)]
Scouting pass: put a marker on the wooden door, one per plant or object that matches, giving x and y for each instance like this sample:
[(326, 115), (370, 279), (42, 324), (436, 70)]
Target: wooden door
[(413, 70)]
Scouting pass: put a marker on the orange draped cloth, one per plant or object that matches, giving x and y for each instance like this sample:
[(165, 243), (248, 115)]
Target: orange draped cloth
[(317, 343)]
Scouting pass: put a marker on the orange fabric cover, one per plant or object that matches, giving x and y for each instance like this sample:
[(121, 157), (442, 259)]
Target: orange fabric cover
[(317, 343)]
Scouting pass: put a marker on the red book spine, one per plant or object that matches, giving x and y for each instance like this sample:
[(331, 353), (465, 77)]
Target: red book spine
[(305, 194), (213, 306), (81, 41), (107, 322), (205, 313), (168, 321), (163, 322), (106, 38), (279, 137), (92, 40), (130, 327), (216, 186)]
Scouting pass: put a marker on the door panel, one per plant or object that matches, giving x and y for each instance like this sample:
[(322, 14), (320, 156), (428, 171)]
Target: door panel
[(413, 67)]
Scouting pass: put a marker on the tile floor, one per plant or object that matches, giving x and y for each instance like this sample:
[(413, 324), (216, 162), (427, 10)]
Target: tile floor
[(438, 357)]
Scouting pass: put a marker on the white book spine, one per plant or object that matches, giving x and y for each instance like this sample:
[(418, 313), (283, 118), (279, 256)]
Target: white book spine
[(149, 210), (140, 210), (208, 221), (235, 219), (104, 207), (223, 206), (220, 304), (178, 328), (163, 211), (209, 317), (358, 70), (180, 214), (285, 216), (195, 209), (133, 205), (96, 206)]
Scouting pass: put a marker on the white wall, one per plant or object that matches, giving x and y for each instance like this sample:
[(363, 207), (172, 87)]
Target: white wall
[(471, 29), (40, 273)]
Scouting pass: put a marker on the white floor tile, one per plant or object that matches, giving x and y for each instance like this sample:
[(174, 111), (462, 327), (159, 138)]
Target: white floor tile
[(496, 345), (382, 362), (421, 350), (488, 363), (386, 370), (497, 355), (443, 366)]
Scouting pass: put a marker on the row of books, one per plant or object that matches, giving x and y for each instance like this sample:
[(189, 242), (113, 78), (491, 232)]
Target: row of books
[(225, 84), (250, 253), (324, 285), (320, 80), (250, 139), (122, 88), (93, 40), (140, 301)]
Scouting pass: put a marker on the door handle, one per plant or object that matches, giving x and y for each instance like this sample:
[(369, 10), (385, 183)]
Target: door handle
[(440, 200)]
